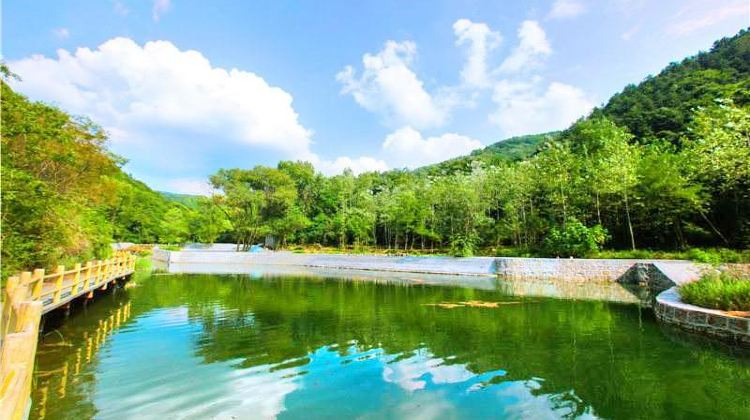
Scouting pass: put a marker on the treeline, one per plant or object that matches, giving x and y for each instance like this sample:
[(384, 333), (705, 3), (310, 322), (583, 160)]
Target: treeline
[(64, 196), (593, 185)]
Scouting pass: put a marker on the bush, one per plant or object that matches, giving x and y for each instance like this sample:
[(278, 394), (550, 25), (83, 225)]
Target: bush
[(575, 240), (718, 291), (463, 245)]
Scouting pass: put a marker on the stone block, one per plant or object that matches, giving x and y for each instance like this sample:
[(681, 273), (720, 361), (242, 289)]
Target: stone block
[(738, 324)]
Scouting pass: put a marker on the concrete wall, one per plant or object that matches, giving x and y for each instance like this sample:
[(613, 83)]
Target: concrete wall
[(478, 266), (543, 269)]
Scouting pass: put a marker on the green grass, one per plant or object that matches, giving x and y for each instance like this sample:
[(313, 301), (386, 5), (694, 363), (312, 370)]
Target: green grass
[(703, 255), (718, 291), (713, 256)]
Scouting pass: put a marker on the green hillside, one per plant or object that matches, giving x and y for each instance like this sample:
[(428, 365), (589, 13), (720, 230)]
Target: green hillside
[(188, 200), (509, 150), (661, 106)]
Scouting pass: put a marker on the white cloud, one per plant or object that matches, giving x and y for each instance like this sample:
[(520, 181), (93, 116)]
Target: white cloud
[(532, 47), (481, 40), (389, 86), (358, 165), (132, 89), (703, 15), (406, 147), (562, 9), (523, 108), (160, 8), (61, 33)]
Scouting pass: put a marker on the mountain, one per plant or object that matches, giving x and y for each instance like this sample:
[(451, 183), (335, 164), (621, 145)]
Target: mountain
[(188, 200), (661, 106), (508, 150)]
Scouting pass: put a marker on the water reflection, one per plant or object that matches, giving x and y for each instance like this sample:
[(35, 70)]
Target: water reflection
[(201, 346)]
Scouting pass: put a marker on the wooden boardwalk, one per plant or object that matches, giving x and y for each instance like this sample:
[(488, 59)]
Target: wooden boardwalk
[(28, 296)]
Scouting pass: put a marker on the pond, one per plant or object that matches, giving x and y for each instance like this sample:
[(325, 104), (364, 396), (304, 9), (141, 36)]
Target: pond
[(237, 346)]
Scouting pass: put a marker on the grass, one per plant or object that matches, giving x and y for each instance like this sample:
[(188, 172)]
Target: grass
[(703, 255), (713, 256), (718, 291)]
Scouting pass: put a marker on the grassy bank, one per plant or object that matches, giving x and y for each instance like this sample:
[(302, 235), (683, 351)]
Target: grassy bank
[(718, 291)]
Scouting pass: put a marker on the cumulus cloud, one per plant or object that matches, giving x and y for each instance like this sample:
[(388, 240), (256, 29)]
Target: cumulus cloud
[(389, 86), (159, 8), (128, 87), (406, 147), (524, 107), (152, 97), (532, 47), (481, 40), (563, 9)]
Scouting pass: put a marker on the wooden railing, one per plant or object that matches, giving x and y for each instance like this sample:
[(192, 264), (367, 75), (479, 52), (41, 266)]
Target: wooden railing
[(26, 297)]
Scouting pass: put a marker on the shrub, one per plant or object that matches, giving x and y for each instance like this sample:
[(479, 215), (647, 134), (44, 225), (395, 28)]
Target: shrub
[(575, 239), (718, 291), (463, 245)]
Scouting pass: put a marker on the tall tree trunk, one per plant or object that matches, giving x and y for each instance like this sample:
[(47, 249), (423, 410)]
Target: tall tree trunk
[(630, 224)]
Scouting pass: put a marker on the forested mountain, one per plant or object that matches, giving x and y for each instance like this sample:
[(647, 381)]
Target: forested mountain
[(505, 151), (661, 106), (188, 200)]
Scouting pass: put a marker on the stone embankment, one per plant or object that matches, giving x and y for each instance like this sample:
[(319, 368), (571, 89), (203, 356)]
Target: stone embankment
[(670, 309)]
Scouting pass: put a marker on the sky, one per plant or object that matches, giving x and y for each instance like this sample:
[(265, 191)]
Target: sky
[(184, 88)]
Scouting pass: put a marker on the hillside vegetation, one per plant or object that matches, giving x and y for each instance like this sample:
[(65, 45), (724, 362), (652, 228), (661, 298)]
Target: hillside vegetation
[(504, 151)]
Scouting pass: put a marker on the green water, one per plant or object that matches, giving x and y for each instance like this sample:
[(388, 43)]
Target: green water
[(200, 346)]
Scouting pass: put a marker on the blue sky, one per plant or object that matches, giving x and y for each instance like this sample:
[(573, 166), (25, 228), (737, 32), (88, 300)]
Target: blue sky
[(187, 87)]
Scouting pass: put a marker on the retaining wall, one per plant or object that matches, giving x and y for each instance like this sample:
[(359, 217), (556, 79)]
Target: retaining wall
[(670, 309)]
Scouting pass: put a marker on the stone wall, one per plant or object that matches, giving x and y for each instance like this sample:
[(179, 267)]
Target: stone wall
[(670, 309), (637, 272)]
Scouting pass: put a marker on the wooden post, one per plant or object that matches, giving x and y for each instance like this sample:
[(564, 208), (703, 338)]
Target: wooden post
[(17, 360), (99, 268), (38, 280), (59, 283), (87, 275), (25, 281), (10, 287), (76, 280)]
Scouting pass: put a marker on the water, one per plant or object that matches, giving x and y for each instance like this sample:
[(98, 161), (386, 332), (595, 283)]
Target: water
[(203, 346)]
